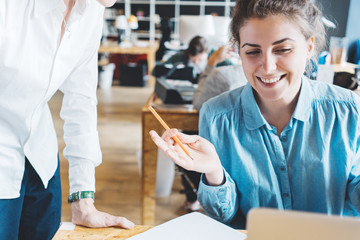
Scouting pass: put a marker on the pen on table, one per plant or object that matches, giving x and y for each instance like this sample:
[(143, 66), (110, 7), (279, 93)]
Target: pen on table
[(176, 139)]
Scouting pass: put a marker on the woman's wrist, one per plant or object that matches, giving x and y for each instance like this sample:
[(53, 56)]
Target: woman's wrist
[(215, 178)]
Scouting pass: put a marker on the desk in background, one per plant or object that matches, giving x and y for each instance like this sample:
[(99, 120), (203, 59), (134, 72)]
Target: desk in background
[(182, 117), (345, 67), (149, 50)]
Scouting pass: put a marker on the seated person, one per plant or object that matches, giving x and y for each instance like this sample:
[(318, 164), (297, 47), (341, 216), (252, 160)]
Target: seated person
[(195, 56), (281, 141), (216, 80), (212, 82)]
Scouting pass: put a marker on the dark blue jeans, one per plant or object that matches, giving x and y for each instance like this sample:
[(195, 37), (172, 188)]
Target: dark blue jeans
[(36, 214)]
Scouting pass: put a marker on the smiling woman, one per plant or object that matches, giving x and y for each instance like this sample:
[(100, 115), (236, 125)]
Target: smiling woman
[(282, 141), (274, 53)]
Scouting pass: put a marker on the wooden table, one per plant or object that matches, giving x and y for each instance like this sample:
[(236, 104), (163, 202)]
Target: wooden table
[(182, 117), (149, 50), (84, 233)]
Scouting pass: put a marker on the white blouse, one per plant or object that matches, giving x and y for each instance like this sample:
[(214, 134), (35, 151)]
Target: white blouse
[(34, 64)]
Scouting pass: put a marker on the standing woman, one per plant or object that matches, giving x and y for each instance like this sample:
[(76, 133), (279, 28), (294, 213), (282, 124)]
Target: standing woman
[(46, 45), (282, 141)]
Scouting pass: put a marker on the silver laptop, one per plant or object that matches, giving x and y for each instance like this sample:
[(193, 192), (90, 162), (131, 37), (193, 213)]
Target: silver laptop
[(272, 224)]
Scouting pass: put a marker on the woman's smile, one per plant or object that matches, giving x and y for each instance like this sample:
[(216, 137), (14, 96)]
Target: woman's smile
[(274, 52), (271, 80)]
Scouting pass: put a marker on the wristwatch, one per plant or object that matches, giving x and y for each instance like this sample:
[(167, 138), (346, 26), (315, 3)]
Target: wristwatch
[(80, 195)]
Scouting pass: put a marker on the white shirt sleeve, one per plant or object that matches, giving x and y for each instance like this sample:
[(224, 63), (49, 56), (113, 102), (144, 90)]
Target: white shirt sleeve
[(79, 111)]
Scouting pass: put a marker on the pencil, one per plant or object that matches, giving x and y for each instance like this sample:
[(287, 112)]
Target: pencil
[(163, 123)]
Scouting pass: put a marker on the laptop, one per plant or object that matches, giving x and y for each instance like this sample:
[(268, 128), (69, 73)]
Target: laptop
[(272, 224)]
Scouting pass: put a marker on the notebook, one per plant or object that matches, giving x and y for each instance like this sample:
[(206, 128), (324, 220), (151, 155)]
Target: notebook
[(192, 226), (272, 224)]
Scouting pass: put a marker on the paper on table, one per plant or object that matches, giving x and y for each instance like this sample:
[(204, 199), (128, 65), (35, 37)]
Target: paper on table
[(190, 227), (67, 226)]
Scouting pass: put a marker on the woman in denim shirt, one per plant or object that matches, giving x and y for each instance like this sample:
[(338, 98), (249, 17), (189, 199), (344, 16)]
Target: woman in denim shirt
[(282, 141)]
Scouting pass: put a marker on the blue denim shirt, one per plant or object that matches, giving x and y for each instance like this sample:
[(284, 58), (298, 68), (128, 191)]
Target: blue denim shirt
[(313, 166)]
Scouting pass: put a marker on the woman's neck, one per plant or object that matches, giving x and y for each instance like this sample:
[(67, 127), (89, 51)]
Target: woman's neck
[(278, 113)]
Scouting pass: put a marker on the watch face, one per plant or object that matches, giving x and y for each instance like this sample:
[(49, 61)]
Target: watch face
[(73, 197)]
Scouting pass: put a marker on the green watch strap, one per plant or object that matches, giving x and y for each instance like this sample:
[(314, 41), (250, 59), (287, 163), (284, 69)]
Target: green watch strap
[(80, 195)]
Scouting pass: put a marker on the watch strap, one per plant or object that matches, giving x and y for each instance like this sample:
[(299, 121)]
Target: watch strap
[(80, 195)]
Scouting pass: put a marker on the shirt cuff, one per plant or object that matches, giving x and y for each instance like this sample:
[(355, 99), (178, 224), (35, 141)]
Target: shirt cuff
[(227, 183), (218, 195), (218, 201), (84, 154), (81, 175)]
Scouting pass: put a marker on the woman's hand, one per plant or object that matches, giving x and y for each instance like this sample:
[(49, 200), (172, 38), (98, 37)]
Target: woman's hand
[(205, 158)]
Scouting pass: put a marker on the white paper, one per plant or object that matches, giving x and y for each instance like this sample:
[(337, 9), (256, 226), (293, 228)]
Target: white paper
[(67, 226), (192, 226)]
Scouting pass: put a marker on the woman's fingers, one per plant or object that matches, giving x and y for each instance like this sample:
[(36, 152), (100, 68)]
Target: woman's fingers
[(167, 135), (174, 152), (188, 139), (163, 145), (205, 158)]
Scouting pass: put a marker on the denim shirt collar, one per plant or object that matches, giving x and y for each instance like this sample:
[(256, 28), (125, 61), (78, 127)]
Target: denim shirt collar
[(303, 106), (253, 117)]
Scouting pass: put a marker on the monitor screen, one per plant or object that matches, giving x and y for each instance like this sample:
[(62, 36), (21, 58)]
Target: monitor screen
[(193, 25), (214, 28), (222, 30)]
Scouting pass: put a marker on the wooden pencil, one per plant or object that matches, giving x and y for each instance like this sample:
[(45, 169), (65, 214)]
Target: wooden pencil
[(163, 123)]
